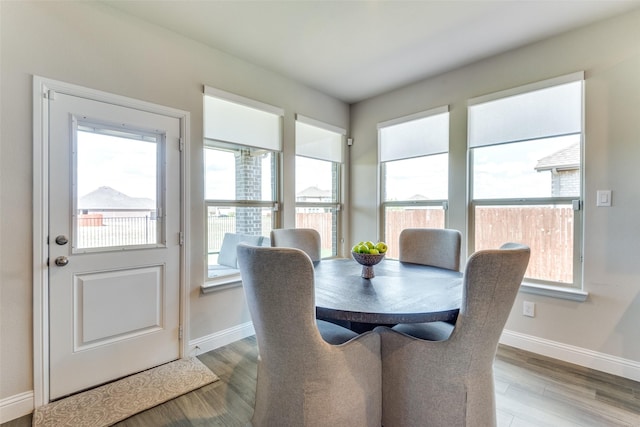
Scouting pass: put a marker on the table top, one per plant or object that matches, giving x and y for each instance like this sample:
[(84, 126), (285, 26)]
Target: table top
[(399, 292)]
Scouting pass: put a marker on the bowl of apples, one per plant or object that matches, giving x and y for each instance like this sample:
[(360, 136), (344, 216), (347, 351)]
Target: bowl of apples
[(368, 254)]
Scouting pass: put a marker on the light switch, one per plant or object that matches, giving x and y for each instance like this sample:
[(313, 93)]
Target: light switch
[(603, 198)]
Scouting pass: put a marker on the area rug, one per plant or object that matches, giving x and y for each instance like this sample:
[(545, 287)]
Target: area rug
[(105, 405)]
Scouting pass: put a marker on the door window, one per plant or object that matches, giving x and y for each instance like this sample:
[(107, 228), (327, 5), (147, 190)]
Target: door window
[(116, 201)]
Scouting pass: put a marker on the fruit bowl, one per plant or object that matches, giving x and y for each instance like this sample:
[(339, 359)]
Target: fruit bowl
[(367, 261)]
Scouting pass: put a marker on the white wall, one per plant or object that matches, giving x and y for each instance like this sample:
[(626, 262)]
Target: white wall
[(93, 46), (97, 47), (605, 327)]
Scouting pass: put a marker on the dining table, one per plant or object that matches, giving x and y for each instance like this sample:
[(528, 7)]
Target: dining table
[(399, 292)]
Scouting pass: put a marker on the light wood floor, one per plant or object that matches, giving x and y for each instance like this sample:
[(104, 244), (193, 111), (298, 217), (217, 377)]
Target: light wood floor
[(531, 390)]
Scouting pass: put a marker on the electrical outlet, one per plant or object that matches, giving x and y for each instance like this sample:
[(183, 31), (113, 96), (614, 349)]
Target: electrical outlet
[(529, 309)]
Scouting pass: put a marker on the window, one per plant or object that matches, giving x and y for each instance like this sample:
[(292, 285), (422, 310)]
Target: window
[(319, 159), (414, 161), (116, 185), (241, 152), (525, 157)]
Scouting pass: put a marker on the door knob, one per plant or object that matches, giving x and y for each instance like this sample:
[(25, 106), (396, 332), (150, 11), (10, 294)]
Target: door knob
[(61, 261), (62, 240)]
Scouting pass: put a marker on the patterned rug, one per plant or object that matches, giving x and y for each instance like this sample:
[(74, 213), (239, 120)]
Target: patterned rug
[(106, 405)]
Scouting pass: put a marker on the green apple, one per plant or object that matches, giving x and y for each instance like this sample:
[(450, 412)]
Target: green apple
[(369, 247), (381, 247)]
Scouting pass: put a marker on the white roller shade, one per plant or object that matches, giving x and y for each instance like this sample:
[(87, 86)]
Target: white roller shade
[(538, 113), (318, 140), (417, 135), (231, 118)]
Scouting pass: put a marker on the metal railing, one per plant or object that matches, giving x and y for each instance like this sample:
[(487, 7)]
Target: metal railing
[(99, 231)]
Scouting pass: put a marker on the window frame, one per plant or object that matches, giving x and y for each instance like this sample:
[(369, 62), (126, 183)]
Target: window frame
[(91, 127), (382, 165), (335, 206), (574, 290), (273, 147), (234, 279)]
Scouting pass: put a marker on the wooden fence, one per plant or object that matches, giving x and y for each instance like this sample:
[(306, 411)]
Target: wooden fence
[(547, 230), (321, 221), (399, 219)]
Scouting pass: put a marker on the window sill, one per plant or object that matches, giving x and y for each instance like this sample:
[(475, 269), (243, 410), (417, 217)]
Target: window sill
[(220, 283), (571, 294)]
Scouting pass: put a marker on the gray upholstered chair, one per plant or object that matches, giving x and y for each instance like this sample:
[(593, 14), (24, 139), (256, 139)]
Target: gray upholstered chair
[(450, 382), (431, 246), (303, 380), (306, 239)]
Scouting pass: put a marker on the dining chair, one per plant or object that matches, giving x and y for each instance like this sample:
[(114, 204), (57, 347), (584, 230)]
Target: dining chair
[(449, 382), (303, 380), (307, 239), (430, 246)]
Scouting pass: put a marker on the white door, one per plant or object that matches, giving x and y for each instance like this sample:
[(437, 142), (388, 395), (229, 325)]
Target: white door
[(114, 236)]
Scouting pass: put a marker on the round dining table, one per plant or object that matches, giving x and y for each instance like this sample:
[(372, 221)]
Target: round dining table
[(398, 293)]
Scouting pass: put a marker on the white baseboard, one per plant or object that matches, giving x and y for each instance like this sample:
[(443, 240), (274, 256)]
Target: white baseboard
[(16, 406), (579, 356), (220, 339)]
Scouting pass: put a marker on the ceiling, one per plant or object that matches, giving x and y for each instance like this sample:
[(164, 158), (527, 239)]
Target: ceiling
[(354, 50)]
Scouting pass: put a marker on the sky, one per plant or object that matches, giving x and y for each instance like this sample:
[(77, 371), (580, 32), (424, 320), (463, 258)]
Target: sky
[(508, 170), (126, 165), (220, 175), (129, 166)]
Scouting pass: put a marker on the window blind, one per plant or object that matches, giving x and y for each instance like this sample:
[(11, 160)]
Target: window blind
[(318, 140), (420, 134), (546, 109), (233, 119)]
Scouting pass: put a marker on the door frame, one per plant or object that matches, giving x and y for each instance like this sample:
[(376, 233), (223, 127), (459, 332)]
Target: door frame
[(43, 88)]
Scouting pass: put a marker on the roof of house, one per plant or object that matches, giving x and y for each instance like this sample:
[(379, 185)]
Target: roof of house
[(566, 159), (106, 198), (418, 197), (314, 191)]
